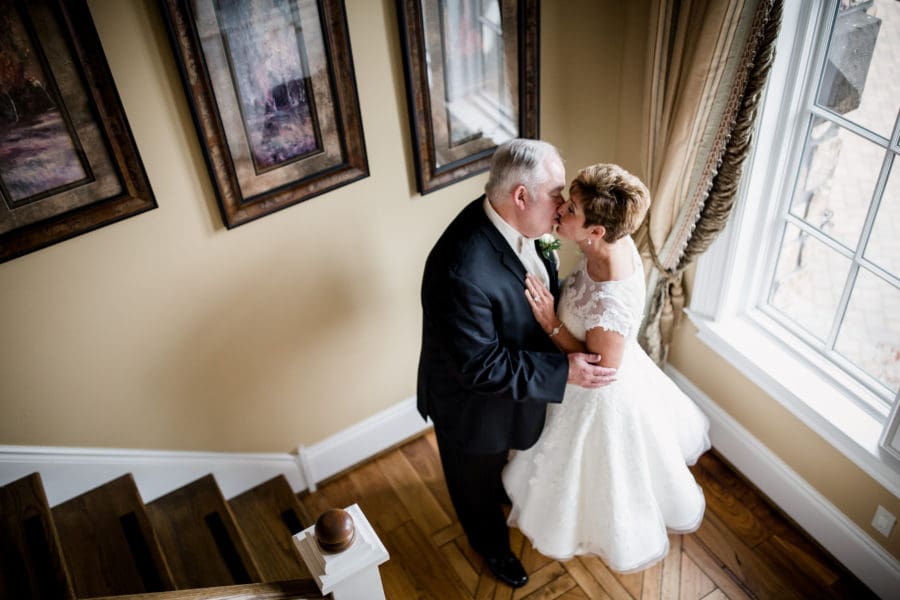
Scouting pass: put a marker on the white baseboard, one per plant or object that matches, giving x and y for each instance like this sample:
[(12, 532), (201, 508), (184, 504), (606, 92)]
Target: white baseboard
[(360, 441), (843, 538), (67, 472)]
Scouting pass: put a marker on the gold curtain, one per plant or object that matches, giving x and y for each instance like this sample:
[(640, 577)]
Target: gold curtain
[(708, 63)]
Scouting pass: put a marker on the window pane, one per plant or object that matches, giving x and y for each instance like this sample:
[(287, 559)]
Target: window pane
[(470, 52), (884, 243), (870, 334), (860, 77), (808, 281), (836, 181)]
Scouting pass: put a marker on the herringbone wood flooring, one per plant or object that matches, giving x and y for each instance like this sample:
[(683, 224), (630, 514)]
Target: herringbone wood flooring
[(744, 549)]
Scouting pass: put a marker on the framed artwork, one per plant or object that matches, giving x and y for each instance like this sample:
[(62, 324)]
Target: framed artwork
[(273, 94), (471, 82), (68, 161)]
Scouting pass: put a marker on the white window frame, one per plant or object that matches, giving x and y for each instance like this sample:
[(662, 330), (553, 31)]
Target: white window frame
[(730, 275)]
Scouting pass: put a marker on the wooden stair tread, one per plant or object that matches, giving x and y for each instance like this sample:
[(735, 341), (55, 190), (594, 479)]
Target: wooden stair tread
[(269, 515), (109, 544), (31, 563), (200, 537)]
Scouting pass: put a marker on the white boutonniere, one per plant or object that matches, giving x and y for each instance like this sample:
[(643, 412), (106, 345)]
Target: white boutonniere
[(548, 245)]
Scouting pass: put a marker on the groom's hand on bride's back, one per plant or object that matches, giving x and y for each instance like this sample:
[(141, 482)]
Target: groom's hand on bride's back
[(584, 371)]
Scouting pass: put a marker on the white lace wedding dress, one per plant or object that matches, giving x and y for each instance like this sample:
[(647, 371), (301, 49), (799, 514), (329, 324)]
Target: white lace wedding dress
[(609, 475)]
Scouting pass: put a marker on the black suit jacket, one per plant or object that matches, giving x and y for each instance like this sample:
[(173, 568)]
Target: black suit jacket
[(487, 369)]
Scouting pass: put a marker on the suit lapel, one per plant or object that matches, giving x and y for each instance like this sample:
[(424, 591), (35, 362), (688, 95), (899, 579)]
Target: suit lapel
[(512, 262), (507, 257)]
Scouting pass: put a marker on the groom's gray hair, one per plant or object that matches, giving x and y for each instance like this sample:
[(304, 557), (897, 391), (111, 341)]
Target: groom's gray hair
[(518, 162)]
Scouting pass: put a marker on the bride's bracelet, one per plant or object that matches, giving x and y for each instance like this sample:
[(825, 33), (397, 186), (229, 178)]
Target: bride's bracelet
[(556, 329)]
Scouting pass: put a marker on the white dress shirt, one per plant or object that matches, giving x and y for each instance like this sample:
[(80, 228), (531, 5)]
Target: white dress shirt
[(522, 246)]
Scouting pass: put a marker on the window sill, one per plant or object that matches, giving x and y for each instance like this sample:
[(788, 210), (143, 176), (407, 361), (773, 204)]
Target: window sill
[(825, 406)]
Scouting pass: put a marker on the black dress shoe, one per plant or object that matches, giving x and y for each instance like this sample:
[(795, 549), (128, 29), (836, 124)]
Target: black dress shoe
[(507, 569)]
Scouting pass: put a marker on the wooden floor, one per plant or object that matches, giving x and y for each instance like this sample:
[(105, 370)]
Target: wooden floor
[(744, 549)]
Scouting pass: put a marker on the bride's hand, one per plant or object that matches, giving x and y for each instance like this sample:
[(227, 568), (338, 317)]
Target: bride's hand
[(541, 301)]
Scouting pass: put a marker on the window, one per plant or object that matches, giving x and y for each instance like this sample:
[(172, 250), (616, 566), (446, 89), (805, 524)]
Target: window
[(479, 95), (834, 283), (802, 289)]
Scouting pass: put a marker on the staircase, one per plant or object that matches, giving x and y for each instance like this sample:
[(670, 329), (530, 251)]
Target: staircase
[(189, 544)]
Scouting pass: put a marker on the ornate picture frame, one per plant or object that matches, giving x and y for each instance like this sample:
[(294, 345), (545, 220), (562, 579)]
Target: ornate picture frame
[(472, 82), (273, 94), (68, 161)]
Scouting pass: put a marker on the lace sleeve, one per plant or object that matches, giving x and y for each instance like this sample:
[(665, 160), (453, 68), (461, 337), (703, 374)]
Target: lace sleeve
[(611, 313)]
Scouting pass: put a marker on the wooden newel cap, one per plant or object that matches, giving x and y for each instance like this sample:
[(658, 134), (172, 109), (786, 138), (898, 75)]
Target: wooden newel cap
[(335, 530)]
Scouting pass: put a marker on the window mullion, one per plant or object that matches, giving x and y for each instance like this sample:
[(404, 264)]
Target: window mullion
[(841, 307), (861, 244), (895, 138), (889, 278), (874, 205), (841, 121), (819, 235), (796, 330)]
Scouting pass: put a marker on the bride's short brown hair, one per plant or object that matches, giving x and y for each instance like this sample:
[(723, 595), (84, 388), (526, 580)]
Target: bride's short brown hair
[(613, 198)]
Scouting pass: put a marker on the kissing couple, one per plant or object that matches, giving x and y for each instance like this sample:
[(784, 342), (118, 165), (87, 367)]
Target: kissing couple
[(540, 395)]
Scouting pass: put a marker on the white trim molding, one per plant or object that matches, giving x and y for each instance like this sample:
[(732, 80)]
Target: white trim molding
[(361, 441), (67, 472), (845, 540)]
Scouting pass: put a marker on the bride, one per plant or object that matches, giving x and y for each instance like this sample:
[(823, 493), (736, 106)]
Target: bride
[(609, 474)]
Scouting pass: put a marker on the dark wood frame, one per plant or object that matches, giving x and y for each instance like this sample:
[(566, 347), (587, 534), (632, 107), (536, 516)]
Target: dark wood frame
[(430, 177), (136, 196), (235, 208)]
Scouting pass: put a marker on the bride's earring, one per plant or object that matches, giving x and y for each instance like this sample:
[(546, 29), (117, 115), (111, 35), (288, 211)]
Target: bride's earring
[(589, 242)]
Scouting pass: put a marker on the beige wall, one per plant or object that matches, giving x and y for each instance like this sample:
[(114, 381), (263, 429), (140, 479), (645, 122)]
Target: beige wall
[(168, 331)]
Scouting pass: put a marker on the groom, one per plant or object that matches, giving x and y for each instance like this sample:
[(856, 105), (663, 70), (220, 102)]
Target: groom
[(487, 369)]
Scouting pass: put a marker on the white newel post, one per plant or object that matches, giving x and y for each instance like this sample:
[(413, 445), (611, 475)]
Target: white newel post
[(342, 553)]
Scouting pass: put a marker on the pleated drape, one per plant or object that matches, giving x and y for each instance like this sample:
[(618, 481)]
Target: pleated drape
[(708, 64)]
